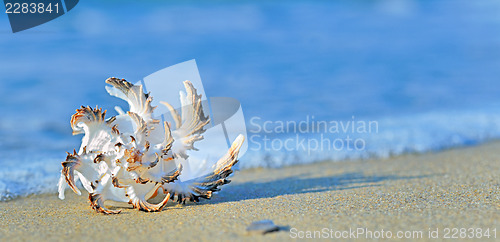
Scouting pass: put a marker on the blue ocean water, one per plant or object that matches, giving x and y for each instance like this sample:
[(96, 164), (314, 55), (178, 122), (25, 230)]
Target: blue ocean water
[(426, 71)]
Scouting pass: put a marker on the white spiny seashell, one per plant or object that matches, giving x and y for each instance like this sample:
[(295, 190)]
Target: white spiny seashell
[(129, 158)]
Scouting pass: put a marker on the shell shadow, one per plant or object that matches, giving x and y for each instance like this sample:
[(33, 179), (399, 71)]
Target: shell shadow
[(300, 184)]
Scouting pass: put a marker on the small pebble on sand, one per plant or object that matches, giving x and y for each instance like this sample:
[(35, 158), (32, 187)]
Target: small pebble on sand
[(262, 227)]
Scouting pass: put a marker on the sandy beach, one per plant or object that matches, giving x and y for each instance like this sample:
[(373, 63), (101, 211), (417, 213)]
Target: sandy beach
[(457, 188)]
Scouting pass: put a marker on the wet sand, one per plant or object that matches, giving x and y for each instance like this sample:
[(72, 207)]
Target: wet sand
[(457, 188)]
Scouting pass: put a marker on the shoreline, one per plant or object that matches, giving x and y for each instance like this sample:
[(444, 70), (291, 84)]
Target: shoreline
[(456, 188)]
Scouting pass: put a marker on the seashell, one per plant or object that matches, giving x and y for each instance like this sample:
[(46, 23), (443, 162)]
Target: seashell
[(132, 157)]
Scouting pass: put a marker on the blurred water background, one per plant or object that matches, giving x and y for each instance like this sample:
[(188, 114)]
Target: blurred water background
[(426, 71)]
